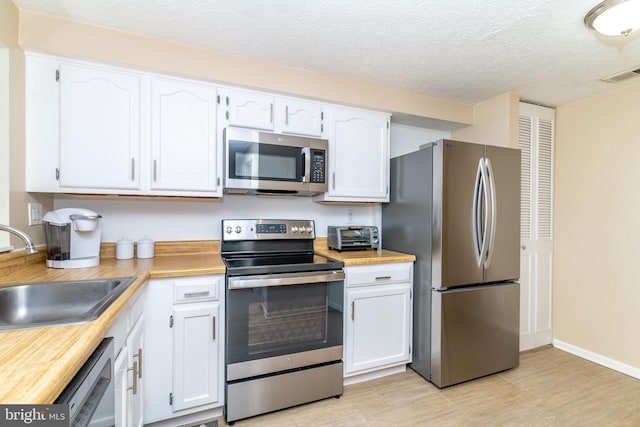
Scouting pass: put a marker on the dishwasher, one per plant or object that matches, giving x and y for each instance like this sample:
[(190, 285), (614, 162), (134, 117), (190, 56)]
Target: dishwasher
[(90, 395)]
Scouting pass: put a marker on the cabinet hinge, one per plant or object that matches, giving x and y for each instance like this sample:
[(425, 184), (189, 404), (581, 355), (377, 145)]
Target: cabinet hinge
[(409, 349), (218, 99), (171, 399), (387, 124), (321, 115), (171, 321), (57, 174), (218, 181), (57, 75), (322, 127)]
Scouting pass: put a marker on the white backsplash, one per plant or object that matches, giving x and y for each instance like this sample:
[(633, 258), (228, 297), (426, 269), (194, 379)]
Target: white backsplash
[(188, 219)]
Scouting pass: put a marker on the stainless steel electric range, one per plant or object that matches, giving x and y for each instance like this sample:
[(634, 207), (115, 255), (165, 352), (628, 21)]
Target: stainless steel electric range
[(284, 317)]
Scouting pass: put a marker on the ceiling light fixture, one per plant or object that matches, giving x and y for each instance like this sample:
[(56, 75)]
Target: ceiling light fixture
[(614, 17)]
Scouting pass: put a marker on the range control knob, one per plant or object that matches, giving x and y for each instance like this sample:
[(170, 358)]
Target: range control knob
[(308, 229), (294, 229), (228, 229), (238, 229)]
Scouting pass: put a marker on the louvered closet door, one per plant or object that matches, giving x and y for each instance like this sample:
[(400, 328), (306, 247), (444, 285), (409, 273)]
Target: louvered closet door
[(536, 136)]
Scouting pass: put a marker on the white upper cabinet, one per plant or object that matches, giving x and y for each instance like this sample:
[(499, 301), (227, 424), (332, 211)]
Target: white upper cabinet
[(183, 136), (249, 109), (99, 128), (358, 156), (301, 118), (261, 111)]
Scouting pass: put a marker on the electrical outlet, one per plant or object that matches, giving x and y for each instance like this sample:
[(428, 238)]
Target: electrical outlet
[(350, 216), (35, 213)]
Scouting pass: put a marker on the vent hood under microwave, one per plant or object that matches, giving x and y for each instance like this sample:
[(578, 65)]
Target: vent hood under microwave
[(268, 163)]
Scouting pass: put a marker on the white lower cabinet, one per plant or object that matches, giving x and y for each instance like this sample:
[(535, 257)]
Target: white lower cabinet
[(378, 317), (184, 341), (127, 331)]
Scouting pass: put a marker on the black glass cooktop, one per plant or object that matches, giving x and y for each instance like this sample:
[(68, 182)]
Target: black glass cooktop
[(278, 263)]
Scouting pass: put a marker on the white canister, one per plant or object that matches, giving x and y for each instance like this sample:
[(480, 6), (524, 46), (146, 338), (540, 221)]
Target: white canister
[(145, 248), (124, 248)]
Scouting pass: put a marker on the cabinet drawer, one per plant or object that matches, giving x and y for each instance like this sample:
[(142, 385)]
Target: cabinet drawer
[(194, 290), (379, 274)]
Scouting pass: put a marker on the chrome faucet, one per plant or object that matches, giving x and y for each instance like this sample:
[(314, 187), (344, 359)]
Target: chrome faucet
[(30, 248)]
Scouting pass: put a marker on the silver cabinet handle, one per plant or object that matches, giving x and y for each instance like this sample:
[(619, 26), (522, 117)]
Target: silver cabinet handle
[(353, 310), (286, 115), (214, 328), (271, 116), (134, 387), (196, 294), (155, 171), (383, 278), (139, 356), (333, 179), (133, 169)]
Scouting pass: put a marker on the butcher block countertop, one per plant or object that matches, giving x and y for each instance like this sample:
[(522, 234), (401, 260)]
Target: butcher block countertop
[(360, 257), (36, 364)]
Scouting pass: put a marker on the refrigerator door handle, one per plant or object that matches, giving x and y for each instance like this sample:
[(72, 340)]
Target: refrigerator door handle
[(492, 197), (479, 229)]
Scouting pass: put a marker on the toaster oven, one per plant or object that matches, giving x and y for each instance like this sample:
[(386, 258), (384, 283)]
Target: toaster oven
[(352, 237)]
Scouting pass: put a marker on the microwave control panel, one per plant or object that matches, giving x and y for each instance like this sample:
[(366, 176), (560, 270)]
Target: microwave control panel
[(318, 166)]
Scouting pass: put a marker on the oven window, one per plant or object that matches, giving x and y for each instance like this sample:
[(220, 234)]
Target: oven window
[(250, 160), (271, 321)]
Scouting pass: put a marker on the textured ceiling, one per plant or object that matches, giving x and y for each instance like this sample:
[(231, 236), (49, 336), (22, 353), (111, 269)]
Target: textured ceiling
[(462, 50)]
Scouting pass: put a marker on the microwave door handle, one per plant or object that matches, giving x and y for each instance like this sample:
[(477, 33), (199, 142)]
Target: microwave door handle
[(306, 163)]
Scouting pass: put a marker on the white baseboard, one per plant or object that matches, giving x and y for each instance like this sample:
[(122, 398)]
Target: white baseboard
[(632, 371), (373, 375)]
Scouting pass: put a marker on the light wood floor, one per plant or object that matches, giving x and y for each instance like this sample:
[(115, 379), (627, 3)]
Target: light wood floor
[(549, 388)]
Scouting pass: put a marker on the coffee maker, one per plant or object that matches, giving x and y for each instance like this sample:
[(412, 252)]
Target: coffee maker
[(72, 236)]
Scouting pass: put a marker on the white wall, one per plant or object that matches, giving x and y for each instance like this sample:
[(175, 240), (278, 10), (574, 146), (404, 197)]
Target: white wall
[(406, 139), (188, 219)]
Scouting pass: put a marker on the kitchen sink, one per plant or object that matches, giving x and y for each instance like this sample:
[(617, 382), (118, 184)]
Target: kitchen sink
[(37, 305)]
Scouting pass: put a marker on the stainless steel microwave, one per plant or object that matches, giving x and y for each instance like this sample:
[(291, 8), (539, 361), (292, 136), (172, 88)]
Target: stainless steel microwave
[(269, 163)]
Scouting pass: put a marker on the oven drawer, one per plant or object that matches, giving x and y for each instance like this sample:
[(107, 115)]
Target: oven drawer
[(379, 274), (196, 289)]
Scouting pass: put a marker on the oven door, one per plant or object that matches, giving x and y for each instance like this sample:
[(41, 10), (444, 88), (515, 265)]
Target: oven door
[(283, 321)]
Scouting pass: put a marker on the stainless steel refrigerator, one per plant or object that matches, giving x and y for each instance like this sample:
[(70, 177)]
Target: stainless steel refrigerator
[(456, 206)]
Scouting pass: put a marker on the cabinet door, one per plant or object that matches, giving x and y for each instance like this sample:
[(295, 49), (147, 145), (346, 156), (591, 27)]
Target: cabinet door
[(120, 372), (301, 118), (183, 136), (99, 128), (42, 108), (135, 361), (378, 327), (196, 354), (359, 156), (250, 109)]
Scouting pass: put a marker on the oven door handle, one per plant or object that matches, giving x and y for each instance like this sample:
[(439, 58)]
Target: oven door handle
[(266, 280)]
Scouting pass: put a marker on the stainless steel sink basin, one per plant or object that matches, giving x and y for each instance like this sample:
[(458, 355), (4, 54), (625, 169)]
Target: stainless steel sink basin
[(37, 305)]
